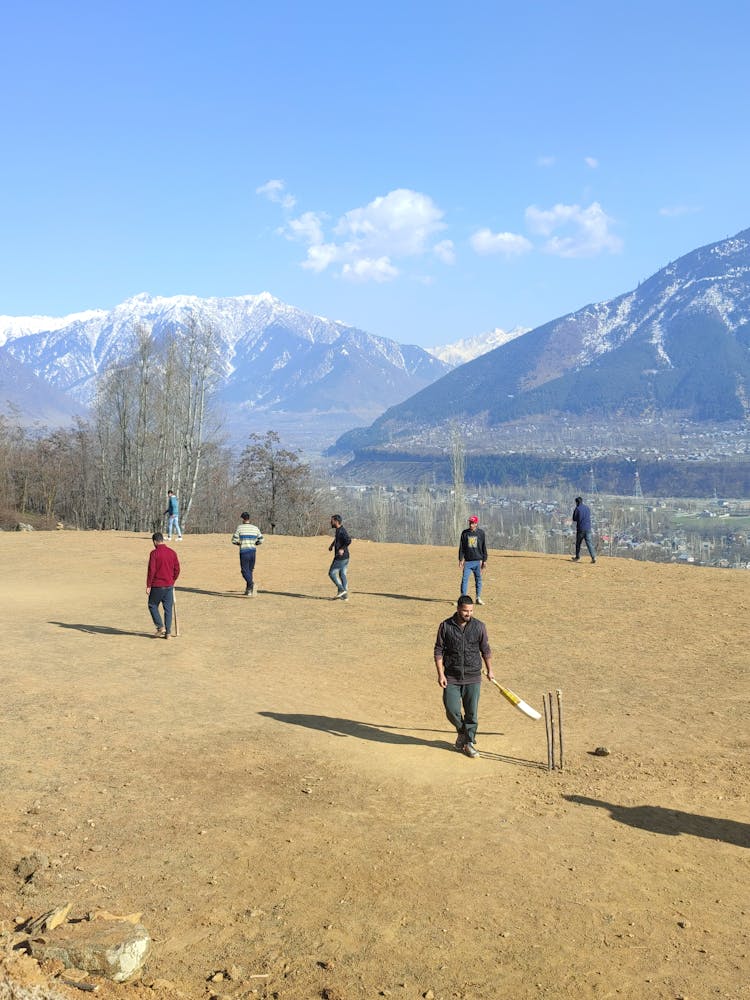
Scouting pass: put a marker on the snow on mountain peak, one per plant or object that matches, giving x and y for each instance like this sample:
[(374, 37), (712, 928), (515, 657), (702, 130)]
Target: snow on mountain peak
[(469, 348)]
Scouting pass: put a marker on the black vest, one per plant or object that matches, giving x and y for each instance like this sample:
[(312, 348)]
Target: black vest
[(462, 657)]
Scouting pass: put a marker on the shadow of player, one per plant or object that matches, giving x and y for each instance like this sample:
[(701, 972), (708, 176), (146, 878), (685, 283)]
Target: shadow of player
[(673, 822)]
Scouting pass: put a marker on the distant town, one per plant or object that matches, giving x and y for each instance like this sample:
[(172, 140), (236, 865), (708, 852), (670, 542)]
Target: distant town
[(707, 532)]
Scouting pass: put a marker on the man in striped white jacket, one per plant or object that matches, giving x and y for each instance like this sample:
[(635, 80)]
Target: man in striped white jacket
[(247, 536)]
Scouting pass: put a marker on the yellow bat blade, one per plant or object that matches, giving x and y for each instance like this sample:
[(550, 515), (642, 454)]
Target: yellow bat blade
[(517, 702)]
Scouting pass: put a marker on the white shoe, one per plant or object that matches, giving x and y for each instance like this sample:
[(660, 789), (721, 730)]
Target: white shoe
[(479, 601)]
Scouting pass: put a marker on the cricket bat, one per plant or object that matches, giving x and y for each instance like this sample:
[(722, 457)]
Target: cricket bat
[(519, 703), (175, 623)]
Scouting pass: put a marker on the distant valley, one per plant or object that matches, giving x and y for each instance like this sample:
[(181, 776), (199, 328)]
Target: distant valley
[(658, 374), (661, 373)]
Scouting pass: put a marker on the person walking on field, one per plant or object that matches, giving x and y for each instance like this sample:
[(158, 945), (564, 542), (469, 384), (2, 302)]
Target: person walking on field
[(163, 570), (172, 514), (248, 537), (472, 556), (582, 521), (340, 548), (460, 647)]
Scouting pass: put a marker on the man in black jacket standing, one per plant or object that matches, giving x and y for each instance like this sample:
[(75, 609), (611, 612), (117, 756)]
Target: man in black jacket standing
[(582, 521), (340, 548), (472, 556), (460, 647)]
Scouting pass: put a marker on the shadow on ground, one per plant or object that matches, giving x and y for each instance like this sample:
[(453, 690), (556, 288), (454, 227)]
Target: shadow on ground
[(382, 734), (100, 629), (673, 822)]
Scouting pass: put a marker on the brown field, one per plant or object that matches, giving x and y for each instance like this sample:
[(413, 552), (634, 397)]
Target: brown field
[(275, 789)]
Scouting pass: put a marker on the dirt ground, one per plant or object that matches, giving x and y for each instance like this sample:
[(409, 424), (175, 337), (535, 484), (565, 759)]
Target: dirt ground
[(277, 792)]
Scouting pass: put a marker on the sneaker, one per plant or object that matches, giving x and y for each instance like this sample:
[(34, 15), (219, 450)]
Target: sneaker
[(593, 560), (460, 742), (254, 589), (159, 633), (479, 601), (342, 593), (345, 596), (470, 750), (167, 635), (247, 591), (576, 559)]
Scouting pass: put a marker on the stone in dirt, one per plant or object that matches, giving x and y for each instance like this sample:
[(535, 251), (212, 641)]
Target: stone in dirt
[(49, 920), (113, 949), (30, 864)]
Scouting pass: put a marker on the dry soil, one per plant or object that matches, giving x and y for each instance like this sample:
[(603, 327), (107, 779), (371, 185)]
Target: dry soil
[(277, 792)]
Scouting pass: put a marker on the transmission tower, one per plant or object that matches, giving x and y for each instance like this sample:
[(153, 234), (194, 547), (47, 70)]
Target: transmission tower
[(592, 482)]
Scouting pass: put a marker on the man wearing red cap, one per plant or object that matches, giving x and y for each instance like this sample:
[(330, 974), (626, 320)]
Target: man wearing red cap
[(472, 556)]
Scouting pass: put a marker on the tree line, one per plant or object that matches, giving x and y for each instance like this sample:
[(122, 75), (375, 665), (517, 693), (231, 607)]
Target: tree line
[(154, 425)]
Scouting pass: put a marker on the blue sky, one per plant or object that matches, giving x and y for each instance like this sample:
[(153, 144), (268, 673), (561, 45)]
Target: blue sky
[(425, 171)]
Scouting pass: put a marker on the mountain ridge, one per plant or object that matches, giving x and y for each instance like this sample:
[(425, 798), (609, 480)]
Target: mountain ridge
[(678, 344), (275, 358)]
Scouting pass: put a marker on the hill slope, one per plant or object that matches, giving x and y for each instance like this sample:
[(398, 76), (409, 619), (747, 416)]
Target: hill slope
[(677, 345)]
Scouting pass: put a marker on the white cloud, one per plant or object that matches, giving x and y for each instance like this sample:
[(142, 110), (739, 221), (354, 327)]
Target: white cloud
[(485, 242), (445, 251), (366, 241), (306, 228), (320, 256), (586, 230), (368, 269), (275, 191), (674, 211), (546, 161), (400, 223), (591, 161)]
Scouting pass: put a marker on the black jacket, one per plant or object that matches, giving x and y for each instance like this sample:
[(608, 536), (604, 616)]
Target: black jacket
[(472, 546), (461, 650), (342, 540)]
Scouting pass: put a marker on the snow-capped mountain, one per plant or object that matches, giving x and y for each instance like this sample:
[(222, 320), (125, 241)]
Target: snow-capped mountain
[(469, 348), (30, 400), (276, 358), (679, 344)]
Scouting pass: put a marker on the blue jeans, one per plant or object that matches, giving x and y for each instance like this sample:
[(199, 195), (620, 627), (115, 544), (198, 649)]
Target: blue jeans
[(585, 536), (247, 565), (475, 567), (165, 597), (458, 697), (337, 573), (173, 522)]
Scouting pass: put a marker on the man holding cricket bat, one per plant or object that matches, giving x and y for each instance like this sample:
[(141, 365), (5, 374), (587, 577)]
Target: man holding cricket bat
[(460, 647)]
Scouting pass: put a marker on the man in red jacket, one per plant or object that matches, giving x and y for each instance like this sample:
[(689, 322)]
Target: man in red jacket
[(163, 570)]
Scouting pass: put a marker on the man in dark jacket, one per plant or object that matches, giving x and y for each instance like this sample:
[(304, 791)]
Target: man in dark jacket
[(340, 548), (460, 647), (472, 556), (582, 521), (163, 570)]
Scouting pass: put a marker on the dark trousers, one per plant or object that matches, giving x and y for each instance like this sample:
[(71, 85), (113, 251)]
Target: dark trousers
[(247, 565), (581, 537), (462, 708), (165, 597)]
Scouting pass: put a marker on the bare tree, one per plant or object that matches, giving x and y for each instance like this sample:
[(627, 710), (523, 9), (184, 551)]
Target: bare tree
[(279, 486), (425, 516), (458, 473), (150, 417)]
